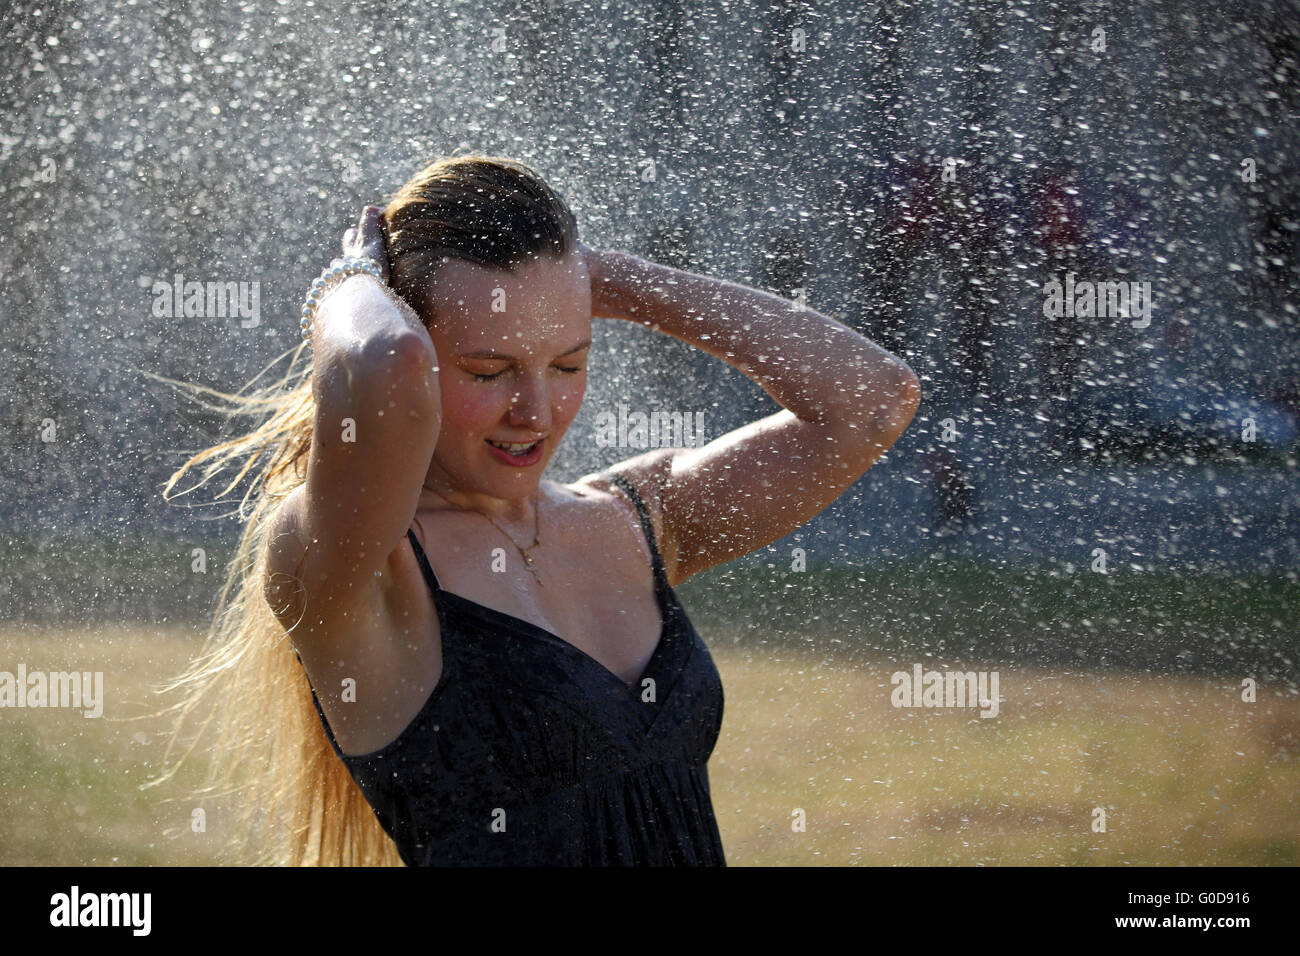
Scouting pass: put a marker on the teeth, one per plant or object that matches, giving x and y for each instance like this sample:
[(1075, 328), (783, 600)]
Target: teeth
[(514, 449)]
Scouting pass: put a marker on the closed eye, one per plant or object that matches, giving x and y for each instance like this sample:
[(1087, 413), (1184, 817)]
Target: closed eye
[(488, 378)]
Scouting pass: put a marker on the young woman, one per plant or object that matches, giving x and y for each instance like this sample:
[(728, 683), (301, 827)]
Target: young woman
[(438, 655)]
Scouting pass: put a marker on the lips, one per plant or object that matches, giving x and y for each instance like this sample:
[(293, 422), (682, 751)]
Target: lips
[(515, 448), (529, 456)]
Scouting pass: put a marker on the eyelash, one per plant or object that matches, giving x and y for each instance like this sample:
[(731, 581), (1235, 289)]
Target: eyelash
[(488, 378)]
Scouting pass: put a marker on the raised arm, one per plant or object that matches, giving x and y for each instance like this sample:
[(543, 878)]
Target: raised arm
[(845, 402), (378, 415)]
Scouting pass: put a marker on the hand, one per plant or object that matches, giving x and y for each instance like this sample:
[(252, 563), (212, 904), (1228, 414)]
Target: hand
[(367, 239)]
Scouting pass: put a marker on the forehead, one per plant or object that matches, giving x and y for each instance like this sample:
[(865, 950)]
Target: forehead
[(543, 302)]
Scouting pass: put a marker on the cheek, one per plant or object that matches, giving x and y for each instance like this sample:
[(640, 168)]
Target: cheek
[(470, 410), (567, 400)]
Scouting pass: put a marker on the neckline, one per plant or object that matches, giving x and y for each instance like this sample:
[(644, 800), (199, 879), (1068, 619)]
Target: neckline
[(663, 597), (634, 687)]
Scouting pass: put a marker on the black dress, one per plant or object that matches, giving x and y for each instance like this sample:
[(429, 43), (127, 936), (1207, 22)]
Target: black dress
[(530, 753)]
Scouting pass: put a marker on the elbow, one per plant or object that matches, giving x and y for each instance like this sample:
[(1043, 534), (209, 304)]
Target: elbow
[(384, 354), (868, 432), (895, 407), (387, 372), (908, 390), (411, 368), (906, 401), (399, 352)]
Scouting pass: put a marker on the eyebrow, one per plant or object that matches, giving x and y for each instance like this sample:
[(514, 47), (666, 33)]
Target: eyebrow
[(489, 354)]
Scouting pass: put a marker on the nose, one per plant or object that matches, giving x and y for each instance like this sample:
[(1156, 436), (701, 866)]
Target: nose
[(531, 407)]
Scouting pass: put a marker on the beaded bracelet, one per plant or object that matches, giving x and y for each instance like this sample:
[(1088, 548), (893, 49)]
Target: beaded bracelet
[(333, 275)]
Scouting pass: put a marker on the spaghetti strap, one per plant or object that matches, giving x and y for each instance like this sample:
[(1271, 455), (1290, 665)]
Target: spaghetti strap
[(325, 724), (426, 568), (646, 525)]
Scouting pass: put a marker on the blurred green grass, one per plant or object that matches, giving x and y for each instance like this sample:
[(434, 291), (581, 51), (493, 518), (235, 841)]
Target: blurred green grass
[(1159, 621), (1188, 773), (70, 784)]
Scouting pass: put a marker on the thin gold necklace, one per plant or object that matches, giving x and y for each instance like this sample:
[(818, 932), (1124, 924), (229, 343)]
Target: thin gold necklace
[(537, 536)]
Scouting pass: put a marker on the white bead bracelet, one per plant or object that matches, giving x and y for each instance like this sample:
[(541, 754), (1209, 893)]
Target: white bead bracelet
[(337, 271)]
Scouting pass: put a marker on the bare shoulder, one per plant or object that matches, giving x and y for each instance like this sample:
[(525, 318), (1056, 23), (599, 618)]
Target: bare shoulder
[(648, 474), (385, 638), (312, 612), (285, 552)]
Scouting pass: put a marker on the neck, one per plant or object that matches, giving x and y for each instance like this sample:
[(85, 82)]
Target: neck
[(520, 510)]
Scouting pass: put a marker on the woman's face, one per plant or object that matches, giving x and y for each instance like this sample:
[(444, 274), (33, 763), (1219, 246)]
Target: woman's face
[(512, 368)]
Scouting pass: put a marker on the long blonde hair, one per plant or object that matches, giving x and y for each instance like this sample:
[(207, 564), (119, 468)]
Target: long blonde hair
[(295, 802)]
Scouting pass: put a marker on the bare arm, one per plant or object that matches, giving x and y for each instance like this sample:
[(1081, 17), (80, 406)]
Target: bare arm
[(845, 402), (378, 414)]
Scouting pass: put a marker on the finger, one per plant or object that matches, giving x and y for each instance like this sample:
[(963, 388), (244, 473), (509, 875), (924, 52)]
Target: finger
[(349, 238), (368, 229), (372, 237)]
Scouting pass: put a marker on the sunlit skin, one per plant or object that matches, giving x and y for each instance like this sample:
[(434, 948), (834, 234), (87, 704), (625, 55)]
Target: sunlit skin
[(518, 373), (514, 375)]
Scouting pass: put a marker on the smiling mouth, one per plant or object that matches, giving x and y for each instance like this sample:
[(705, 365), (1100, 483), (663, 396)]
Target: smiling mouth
[(515, 448)]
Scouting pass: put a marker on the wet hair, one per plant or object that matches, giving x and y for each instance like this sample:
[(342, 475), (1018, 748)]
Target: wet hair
[(487, 210), (294, 802)]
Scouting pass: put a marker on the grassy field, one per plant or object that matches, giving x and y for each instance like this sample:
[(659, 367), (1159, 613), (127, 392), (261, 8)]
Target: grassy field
[(1186, 772)]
